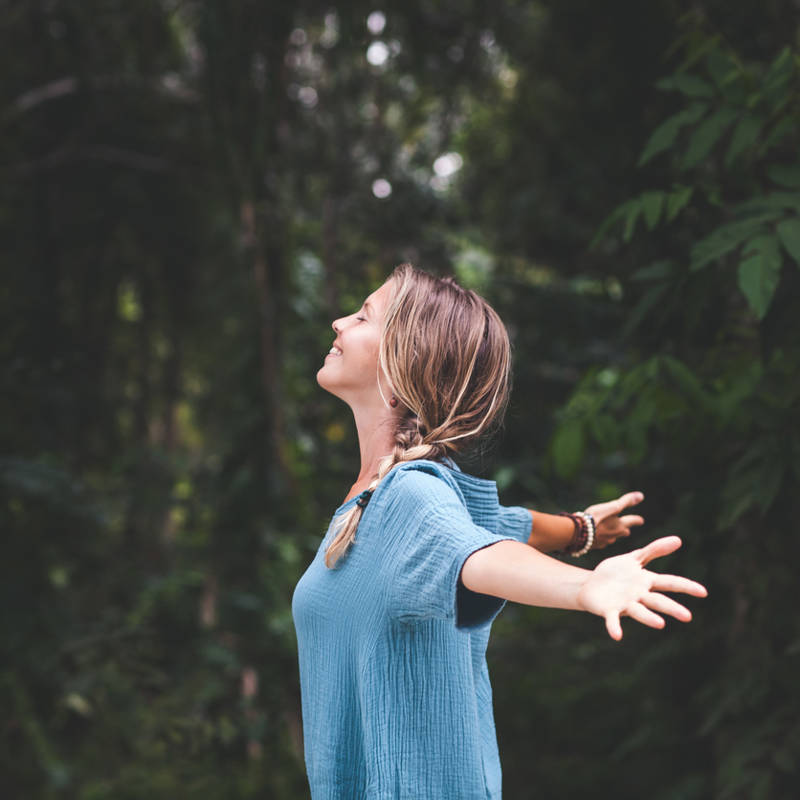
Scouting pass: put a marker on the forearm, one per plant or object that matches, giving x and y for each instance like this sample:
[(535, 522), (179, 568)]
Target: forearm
[(522, 574), (550, 532)]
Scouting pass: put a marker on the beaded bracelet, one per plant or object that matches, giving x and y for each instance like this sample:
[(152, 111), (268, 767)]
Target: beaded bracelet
[(591, 528), (579, 535)]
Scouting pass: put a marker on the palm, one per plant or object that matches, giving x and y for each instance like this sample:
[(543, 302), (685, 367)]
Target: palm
[(621, 586)]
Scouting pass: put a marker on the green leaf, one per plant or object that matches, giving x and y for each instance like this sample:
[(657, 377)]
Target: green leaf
[(690, 85), (695, 53), (650, 299), (707, 135), (504, 477), (722, 67), (760, 468), (759, 272), (789, 234), (638, 424), (677, 199), (770, 479), (664, 136), (774, 202), (744, 135), (786, 127), (787, 175), (567, 448), (633, 212), (619, 213), (633, 383), (604, 429), (686, 381), (726, 238), (779, 73), (652, 203), (655, 271), (738, 503)]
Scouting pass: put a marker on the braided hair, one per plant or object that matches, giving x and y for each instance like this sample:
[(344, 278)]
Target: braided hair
[(447, 356)]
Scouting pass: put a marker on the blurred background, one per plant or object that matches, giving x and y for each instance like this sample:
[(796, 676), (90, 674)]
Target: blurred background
[(191, 190)]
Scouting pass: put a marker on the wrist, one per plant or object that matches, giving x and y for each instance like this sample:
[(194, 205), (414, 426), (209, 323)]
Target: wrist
[(549, 532), (588, 531), (580, 601), (583, 536)]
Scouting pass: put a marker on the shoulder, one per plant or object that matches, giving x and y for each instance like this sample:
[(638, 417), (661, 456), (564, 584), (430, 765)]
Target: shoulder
[(421, 483)]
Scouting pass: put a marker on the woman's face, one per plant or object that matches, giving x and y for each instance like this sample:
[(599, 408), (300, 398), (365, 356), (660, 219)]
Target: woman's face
[(350, 369)]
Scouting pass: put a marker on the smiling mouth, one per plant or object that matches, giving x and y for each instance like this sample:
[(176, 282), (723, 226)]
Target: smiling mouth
[(334, 351)]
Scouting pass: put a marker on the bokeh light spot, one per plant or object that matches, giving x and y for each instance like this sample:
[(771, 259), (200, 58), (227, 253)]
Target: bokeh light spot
[(381, 188), (377, 54), (376, 22)]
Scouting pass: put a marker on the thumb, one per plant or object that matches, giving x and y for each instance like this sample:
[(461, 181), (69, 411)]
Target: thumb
[(613, 625)]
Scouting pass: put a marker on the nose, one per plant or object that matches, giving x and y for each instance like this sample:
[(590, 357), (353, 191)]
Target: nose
[(334, 324)]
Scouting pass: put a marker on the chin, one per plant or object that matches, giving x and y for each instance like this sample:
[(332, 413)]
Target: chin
[(324, 382)]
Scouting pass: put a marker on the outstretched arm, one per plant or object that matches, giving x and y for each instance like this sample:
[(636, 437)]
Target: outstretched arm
[(550, 532), (616, 587)]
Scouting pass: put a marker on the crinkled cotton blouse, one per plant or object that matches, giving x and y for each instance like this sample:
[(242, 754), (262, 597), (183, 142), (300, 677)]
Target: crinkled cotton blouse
[(392, 647)]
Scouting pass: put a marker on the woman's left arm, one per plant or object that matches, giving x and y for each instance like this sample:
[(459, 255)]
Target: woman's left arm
[(618, 586), (551, 532)]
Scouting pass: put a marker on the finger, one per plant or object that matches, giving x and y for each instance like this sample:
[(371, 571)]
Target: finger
[(604, 541), (625, 501), (613, 625), (658, 548), (644, 615), (630, 520), (601, 511), (666, 605), (677, 583)]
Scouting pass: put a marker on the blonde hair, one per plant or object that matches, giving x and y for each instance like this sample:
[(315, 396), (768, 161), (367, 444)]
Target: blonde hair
[(447, 356)]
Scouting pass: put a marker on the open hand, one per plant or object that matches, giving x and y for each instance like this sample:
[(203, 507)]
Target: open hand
[(610, 524), (622, 586)]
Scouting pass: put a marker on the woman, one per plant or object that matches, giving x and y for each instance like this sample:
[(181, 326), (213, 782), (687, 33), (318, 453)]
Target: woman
[(393, 614)]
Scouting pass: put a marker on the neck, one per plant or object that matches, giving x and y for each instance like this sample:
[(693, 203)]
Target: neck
[(375, 426)]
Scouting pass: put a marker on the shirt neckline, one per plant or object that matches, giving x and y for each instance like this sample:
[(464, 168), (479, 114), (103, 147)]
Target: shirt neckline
[(485, 484)]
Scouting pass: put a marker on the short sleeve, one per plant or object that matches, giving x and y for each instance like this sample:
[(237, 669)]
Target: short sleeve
[(433, 535), (515, 521)]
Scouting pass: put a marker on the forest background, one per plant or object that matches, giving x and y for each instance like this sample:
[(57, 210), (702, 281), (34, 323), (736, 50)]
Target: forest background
[(191, 190)]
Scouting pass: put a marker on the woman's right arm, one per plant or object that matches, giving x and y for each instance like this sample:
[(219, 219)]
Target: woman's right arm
[(551, 532), (618, 586)]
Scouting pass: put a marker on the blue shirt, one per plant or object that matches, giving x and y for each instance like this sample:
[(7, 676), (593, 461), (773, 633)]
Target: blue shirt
[(392, 648)]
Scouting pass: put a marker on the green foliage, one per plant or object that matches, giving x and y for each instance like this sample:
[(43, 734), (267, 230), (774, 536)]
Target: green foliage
[(727, 238), (718, 392), (789, 234), (756, 98), (759, 272), (706, 135), (187, 201), (665, 135)]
